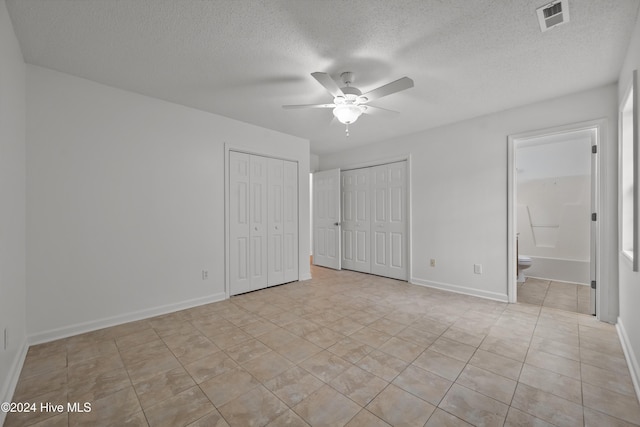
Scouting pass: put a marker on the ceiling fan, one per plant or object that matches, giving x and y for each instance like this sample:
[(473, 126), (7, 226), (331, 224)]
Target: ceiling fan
[(349, 102)]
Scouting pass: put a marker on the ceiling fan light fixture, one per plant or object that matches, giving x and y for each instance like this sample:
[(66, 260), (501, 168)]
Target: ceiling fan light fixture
[(347, 113)]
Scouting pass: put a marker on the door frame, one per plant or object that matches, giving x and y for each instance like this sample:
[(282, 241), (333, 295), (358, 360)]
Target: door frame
[(384, 161), (600, 129), (227, 243)]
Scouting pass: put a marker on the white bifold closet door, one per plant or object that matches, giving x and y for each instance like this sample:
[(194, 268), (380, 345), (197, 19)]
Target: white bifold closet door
[(282, 217), (356, 220), (263, 222), (389, 220), (374, 220)]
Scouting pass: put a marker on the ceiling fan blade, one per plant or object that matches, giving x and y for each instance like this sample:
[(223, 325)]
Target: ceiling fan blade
[(377, 111), (291, 107), (329, 84), (389, 88)]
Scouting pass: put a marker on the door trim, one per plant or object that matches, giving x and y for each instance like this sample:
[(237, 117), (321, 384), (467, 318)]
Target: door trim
[(242, 149), (600, 127), (394, 159)]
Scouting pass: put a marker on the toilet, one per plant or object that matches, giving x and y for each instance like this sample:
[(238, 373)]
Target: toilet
[(524, 262)]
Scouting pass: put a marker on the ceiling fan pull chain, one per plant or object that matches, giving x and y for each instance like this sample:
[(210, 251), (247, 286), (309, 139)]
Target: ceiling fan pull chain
[(347, 130)]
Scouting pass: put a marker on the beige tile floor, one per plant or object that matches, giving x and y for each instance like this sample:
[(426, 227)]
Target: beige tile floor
[(342, 349), (563, 296)]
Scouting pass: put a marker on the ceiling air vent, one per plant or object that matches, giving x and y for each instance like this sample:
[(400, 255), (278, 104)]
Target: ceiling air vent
[(553, 14)]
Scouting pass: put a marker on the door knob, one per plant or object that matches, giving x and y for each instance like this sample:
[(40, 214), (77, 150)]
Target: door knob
[(336, 224)]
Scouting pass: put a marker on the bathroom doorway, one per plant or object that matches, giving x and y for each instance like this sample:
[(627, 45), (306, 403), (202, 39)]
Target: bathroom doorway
[(553, 218)]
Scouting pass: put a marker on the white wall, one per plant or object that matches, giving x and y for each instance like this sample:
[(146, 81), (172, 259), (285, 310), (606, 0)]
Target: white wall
[(315, 162), (12, 208), (125, 198), (629, 320), (459, 182)]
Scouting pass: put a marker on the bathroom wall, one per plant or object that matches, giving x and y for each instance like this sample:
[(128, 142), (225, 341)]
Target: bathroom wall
[(554, 206)]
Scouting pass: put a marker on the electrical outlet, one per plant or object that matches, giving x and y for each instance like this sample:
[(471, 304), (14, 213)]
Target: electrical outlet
[(433, 262), (205, 274), (477, 268)]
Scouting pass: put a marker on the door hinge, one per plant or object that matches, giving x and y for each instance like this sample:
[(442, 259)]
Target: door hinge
[(593, 284), (594, 149), (594, 216)]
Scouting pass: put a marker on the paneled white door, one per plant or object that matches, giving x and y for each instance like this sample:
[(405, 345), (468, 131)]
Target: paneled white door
[(258, 221), (239, 225), (326, 219), (247, 222), (263, 222), (282, 215), (356, 224), (275, 234), (290, 217), (389, 220)]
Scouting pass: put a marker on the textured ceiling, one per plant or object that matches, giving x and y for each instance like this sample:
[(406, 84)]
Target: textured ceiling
[(245, 58)]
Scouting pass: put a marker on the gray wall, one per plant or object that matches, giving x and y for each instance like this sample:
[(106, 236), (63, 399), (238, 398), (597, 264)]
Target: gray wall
[(126, 203), (12, 208)]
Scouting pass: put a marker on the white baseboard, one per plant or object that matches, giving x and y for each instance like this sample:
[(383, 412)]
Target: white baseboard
[(461, 290), (10, 383), (79, 328), (629, 354)]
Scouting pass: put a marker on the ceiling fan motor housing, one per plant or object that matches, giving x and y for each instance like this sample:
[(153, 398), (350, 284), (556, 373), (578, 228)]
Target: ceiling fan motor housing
[(347, 77), (350, 90)]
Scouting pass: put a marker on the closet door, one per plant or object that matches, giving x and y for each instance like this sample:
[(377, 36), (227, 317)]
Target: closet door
[(275, 233), (239, 224), (389, 221), (263, 222), (356, 224), (290, 216), (258, 221)]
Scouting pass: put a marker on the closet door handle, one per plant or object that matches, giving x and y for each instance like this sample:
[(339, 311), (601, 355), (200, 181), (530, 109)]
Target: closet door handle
[(336, 224)]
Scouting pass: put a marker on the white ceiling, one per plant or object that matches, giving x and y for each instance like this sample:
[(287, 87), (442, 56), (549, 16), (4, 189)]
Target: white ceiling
[(245, 58)]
